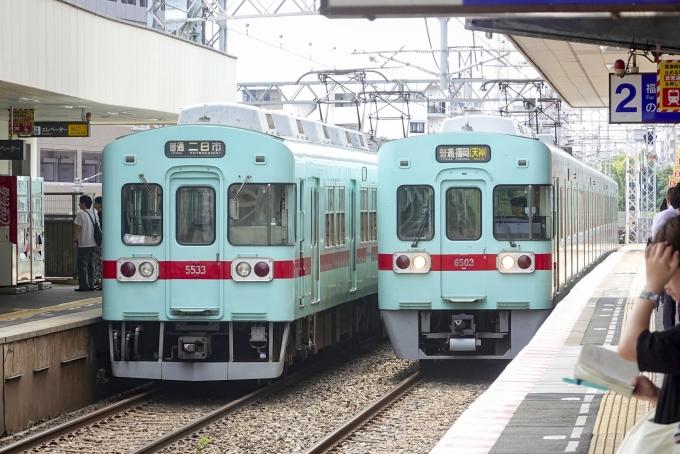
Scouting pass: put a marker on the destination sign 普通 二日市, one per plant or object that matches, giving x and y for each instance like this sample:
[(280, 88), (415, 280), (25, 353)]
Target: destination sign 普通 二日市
[(195, 149), (61, 129), (463, 153)]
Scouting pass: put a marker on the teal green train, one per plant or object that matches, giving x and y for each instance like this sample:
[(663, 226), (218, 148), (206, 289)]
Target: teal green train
[(235, 243), (483, 229)]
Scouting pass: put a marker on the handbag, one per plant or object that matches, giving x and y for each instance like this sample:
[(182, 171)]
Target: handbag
[(648, 437), (97, 230)]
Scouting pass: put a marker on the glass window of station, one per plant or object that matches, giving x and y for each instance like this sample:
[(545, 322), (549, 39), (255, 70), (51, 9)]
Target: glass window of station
[(522, 213), (415, 212), (262, 214), (142, 220)]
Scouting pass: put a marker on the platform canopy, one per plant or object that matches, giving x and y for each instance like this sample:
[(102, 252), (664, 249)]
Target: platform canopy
[(63, 60)]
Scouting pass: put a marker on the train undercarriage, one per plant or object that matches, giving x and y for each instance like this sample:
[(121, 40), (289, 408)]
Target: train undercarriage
[(236, 350), (453, 334)]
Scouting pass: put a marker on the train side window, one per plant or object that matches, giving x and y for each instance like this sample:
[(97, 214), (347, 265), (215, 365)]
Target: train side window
[(363, 207), (415, 212), (463, 214), (262, 214), (330, 217), (373, 214), (195, 215), (522, 213), (341, 216), (142, 216)]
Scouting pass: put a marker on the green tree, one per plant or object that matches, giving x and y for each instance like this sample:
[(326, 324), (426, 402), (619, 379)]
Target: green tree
[(662, 183), (618, 174)]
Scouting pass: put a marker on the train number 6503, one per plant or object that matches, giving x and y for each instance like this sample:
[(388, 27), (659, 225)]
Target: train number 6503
[(463, 262)]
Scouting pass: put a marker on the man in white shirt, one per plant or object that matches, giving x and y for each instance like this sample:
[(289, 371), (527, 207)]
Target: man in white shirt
[(85, 244), (660, 219)]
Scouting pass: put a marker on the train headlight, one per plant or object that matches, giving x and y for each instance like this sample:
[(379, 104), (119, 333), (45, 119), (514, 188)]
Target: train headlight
[(243, 269), (507, 262), (411, 262), (402, 262), (128, 269), (146, 269), (419, 262)]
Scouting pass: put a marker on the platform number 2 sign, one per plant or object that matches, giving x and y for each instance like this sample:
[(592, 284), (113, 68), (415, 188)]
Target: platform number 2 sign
[(625, 99)]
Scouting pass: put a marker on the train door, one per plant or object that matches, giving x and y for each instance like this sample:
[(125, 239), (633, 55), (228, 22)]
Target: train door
[(464, 259), (195, 244), (304, 281), (554, 191), (314, 239), (353, 235)]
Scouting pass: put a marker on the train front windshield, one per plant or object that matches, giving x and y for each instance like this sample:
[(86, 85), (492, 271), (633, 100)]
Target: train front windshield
[(522, 213), (262, 214)]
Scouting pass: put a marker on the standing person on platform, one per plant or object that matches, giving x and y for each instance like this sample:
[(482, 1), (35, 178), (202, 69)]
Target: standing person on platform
[(660, 219), (657, 351), (85, 244), (98, 274)]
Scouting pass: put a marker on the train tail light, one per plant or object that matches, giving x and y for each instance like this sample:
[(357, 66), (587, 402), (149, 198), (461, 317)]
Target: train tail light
[(411, 262), (252, 269), (137, 270), (516, 262)]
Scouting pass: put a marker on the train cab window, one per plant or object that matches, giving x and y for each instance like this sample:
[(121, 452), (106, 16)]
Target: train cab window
[(195, 215), (463, 214), (415, 213), (522, 213), (262, 214), (142, 217)]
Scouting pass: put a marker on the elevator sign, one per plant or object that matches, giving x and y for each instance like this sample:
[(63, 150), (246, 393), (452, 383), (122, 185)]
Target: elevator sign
[(633, 99)]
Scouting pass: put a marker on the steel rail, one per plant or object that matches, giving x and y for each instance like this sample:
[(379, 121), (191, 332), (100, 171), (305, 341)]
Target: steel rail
[(42, 438), (338, 435), (234, 406)]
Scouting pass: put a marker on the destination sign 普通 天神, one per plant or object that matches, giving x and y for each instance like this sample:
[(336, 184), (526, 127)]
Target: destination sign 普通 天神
[(195, 149), (463, 153), (61, 129), (12, 150)]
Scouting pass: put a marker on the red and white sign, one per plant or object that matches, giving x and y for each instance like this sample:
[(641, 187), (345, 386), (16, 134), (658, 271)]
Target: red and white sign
[(4, 206), (23, 121), (668, 86)]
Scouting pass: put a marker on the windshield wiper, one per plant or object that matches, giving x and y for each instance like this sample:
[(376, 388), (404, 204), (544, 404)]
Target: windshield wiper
[(507, 228), (426, 217), (238, 193)]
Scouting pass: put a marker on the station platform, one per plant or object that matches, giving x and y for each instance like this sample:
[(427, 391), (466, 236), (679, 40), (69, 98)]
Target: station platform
[(529, 409)]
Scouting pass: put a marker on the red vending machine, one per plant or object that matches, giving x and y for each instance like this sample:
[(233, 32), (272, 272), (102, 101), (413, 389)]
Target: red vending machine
[(15, 230)]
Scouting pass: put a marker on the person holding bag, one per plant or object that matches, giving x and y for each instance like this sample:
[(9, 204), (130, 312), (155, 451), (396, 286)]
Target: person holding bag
[(86, 238), (657, 351)]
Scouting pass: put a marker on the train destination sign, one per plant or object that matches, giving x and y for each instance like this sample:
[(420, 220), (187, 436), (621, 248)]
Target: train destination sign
[(195, 149), (463, 153), (61, 129)]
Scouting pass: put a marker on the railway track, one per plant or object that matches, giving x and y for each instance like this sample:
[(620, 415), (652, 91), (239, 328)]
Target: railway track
[(50, 439), (376, 407)]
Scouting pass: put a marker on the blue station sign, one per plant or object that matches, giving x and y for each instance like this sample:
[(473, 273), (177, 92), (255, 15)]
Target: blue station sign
[(632, 99)]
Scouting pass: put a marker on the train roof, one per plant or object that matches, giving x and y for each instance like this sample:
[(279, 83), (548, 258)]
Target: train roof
[(270, 122), (487, 123)]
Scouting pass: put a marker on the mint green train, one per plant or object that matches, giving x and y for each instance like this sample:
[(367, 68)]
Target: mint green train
[(483, 229), (235, 243)]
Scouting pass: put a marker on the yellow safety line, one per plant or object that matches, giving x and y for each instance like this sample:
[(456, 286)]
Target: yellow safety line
[(617, 414), (59, 307)]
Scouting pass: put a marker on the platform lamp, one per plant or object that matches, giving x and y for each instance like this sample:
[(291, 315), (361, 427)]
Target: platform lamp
[(620, 68)]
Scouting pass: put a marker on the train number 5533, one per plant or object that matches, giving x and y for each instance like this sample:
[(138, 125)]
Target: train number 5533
[(195, 269)]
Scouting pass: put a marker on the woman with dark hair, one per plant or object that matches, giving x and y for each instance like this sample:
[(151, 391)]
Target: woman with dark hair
[(657, 351)]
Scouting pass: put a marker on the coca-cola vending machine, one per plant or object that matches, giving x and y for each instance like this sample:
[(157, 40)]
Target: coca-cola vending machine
[(16, 251)]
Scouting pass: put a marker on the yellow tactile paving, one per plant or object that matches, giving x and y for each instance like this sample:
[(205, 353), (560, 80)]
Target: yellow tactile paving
[(617, 414), (59, 307)]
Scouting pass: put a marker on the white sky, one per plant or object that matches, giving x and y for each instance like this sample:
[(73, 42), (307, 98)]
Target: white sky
[(282, 49)]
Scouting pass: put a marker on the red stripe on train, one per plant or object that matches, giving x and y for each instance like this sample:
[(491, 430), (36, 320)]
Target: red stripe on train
[(466, 262)]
